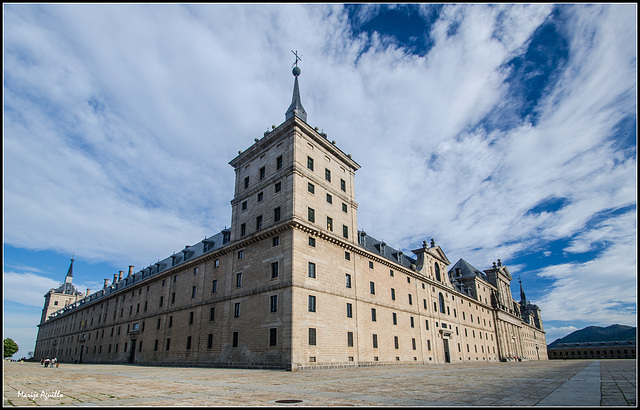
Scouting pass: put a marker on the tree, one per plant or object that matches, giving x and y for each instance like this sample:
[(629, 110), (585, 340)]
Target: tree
[(10, 347)]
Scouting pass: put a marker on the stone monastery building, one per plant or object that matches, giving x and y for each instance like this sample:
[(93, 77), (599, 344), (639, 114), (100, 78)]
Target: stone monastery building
[(294, 285)]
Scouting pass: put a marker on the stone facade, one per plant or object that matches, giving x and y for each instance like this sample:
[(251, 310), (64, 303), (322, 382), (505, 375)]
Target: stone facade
[(293, 284)]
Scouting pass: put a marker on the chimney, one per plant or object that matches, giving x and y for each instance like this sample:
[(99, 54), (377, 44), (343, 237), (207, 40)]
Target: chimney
[(499, 263), (106, 283), (88, 291), (120, 275), (115, 278), (130, 270)]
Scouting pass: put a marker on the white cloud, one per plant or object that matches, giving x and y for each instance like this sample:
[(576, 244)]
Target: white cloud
[(27, 288)]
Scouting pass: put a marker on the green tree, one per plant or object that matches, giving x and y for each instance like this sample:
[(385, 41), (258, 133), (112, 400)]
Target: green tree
[(10, 347)]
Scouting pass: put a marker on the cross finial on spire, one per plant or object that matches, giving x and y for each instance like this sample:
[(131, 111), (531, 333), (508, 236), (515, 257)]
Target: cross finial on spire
[(298, 57)]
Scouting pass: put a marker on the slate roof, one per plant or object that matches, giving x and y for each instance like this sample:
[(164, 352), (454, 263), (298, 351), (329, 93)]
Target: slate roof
[(380, 248), (467, 271), (622, 343)]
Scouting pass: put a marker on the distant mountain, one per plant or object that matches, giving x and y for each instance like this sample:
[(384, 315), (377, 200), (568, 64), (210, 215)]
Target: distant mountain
[(599, 334)]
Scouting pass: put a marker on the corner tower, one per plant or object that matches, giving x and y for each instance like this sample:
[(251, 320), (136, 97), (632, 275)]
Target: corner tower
[(59, 297)]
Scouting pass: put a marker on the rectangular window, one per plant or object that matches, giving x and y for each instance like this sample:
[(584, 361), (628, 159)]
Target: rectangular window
[(396, 342), (155, 346), (311, 214), (276, 214), (312, 303), (429, 345), (345, 231), (277, 187), (274, 303), (343, 185), (168, 345), (329, 199), (236, 310), (310, 163), (214, 288), (411, 321), (238, 279), (188, 342), (216, 263), (372, 288), (210, 341), (279, 162), (273, 336), (212, 314), (393, 294), (349, 339), (170, 321), (312, 270), (276, 241), (330, 224), (274, 270), (312, 241), (370, 265), (413, 343), (173, 298), (258, 222), (260, 196), (349, 310), (195, 271), (410, 299), (344, 207), (246, 182), (244, 205), (373, 315), (327, 175), (348, 280), (243, 229), (157, 327), (311, 188), (235, 339), (190, 318), (395, 319), (347, 256), (427, 324), (161, 300), (262, 173), (193, 292), (312, 336)]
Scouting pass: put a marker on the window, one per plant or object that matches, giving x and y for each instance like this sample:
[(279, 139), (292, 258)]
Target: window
[(240, 254), (441, 300), (155, 346), (343, 185), (276, 241), (393, 294), (274, 303), (310, 163), (243, 229), (437, 269), (274, 270), (375, 341), (157, 327), (168, 345), (235, 339), (344, 207), (312, 303), (329, 199), (312, 241), (396, 342), (216, 264), (258, 222), (347, 255), (312, 270), (279, 162), (345, 231), (188, 342), (193, 292), (372, 288), (395, 318), (214, 288), (348, 279), (349, 310), (236, 310), (311, 188), (246, 182), (311, 215), (424, 302), (173, 298), (327, 175), (277, 187), (410, 299), (210, 341), (195, 271), (312, 336), (276, 214), (370, 265), (429, 345), (413, 343), (411, 321), (373, 314), (212, 314), (330, 224), (260, 196), (170, 321), (273, 336), (349, 339), (427, 324), (238, 279), (262, 173), (244, 205)]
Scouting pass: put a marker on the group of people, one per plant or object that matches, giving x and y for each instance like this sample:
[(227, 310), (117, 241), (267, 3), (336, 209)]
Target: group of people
[(50, 362)]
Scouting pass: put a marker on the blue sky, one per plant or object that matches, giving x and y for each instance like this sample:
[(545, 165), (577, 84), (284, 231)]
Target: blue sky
[(501, 131)]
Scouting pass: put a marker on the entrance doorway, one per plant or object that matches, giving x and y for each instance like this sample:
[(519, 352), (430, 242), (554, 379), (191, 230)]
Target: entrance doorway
[(132, 354), (447, 355)]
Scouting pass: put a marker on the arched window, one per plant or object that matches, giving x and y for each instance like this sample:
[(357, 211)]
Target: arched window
[(437, 272), (441, 299)]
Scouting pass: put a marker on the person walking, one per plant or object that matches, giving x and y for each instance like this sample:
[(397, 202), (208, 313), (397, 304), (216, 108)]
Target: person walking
[(46, 362)]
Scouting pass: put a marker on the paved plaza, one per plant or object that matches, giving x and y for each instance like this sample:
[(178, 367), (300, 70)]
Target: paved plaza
[(550, 383)]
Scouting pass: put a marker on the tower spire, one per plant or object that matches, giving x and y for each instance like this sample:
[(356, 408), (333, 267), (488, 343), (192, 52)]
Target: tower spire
[(523, 297), (69, 276), (296, 107)]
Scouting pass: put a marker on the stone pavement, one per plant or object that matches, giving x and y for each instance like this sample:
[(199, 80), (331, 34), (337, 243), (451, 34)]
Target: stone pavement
[(551, 383)]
